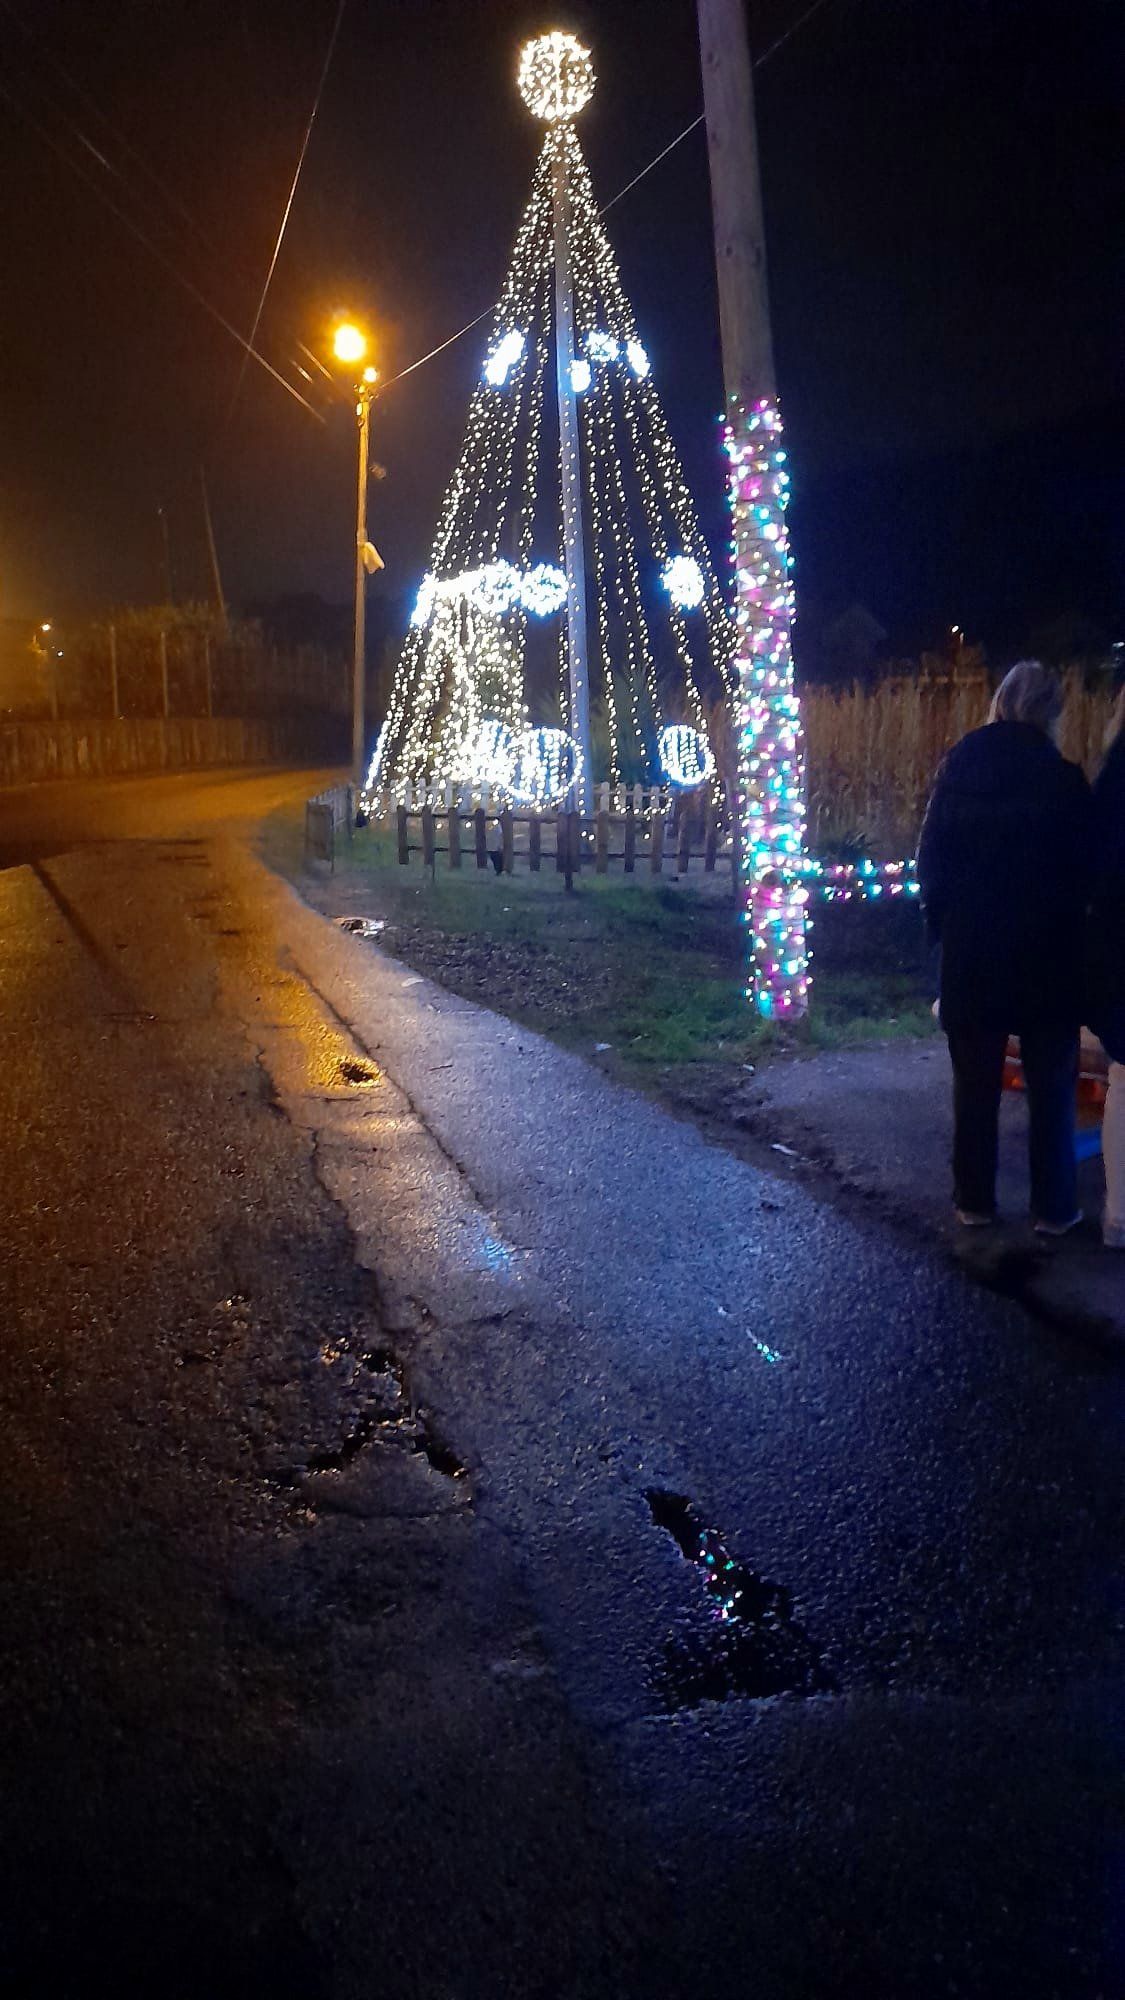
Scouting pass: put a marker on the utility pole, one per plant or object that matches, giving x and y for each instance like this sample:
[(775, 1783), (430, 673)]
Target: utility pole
[(582, 792), (169, 596), (212, 550), (770, 760), (359, 658)]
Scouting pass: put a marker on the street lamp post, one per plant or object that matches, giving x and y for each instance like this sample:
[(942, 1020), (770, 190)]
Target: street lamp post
[(350, 345)]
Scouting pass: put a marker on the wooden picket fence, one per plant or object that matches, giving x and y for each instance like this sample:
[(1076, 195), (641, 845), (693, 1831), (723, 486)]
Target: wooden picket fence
[(645, 832)]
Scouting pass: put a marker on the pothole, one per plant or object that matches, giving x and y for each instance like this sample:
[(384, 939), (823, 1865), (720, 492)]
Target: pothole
[(749, 1644), (389, 1421), (354, 1069)]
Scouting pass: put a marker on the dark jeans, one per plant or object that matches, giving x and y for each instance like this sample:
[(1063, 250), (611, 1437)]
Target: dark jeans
[(1050, 1067)]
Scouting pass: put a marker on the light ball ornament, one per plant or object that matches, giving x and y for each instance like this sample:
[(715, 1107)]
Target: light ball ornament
[(543, 589), (686, 755), (494, 587), (486, 755), (556, 76), (505, 356), (548, 763), (683, 580)]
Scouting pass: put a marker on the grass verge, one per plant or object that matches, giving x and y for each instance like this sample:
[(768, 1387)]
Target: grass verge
[(649, 972)]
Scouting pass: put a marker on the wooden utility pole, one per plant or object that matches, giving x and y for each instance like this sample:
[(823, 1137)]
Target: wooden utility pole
[(770, 765), (736, 201), (169, 588), (114, 694), (213, 552)]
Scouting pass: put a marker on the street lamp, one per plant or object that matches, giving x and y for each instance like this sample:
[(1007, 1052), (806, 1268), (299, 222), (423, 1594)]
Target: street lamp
[(349, 345)]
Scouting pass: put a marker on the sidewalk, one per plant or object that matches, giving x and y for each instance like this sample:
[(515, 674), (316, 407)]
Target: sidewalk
[(879, 1121)]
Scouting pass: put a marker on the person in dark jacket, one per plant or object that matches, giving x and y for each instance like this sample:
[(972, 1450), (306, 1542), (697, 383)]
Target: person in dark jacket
[(1005, 865), (1107, 996)]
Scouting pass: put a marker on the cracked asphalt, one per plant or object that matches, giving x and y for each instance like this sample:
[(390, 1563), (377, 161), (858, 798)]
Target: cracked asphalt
[(346, 1331)]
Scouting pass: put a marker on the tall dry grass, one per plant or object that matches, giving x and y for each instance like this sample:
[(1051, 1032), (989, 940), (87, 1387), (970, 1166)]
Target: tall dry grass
[(873, 751)]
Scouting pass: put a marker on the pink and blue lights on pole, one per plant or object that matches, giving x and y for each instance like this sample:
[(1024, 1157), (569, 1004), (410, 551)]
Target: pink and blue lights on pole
[(771, 777)]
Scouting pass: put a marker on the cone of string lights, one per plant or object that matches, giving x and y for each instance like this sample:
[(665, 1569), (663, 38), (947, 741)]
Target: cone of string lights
[(570, 629)]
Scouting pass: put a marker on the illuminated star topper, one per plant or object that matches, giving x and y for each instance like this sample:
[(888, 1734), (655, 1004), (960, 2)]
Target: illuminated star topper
[(556, 76)]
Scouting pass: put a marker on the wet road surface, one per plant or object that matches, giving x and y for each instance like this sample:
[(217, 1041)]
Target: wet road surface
[(385, 1395)]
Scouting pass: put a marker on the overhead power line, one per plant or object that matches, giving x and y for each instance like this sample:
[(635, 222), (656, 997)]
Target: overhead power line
[(127, 222), (60, 117), (759, 63), (289, 200)]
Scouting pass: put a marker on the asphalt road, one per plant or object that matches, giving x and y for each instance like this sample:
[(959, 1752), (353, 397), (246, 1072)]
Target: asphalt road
[(351, 1342)]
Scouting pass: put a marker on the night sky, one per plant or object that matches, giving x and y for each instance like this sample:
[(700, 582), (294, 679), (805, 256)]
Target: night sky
[(945, 194)]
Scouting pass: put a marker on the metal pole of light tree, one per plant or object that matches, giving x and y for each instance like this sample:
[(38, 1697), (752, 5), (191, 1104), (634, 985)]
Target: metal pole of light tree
[(573, 534)]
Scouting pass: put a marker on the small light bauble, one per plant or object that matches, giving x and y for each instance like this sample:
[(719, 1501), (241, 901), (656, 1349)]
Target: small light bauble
[(683, 580), (686, 755), (543, 589), (556, 76), (486, 756), (548, 763)]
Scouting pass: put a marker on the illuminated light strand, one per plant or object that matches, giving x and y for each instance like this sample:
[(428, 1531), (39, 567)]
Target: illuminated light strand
[(496, 587), (598, 262), (771, 774), (655, 439), (463, 662), (425, 662), (592, 412), (847, 881), (594, 419), (607, 458)]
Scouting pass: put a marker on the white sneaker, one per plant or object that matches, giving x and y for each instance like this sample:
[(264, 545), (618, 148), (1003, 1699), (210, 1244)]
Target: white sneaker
[(1059, 1228)]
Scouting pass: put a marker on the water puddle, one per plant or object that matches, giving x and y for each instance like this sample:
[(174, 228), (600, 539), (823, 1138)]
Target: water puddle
[(749, 1644)]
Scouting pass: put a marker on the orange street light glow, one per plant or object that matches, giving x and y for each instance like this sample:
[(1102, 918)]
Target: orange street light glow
[(349, 344)]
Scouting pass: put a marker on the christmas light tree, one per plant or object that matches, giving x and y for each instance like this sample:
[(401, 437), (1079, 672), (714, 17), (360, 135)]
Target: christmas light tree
[(570, 629)]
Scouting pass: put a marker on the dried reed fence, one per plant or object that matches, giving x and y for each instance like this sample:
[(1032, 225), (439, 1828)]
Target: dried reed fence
[(873, 752)]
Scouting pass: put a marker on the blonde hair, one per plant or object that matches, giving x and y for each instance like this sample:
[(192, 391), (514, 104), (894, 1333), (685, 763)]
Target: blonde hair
[(1031, 693), (1116, 729)]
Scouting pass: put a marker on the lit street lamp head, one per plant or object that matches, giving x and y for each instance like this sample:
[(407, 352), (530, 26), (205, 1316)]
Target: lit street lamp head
[(348, 343), (556, 76)]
